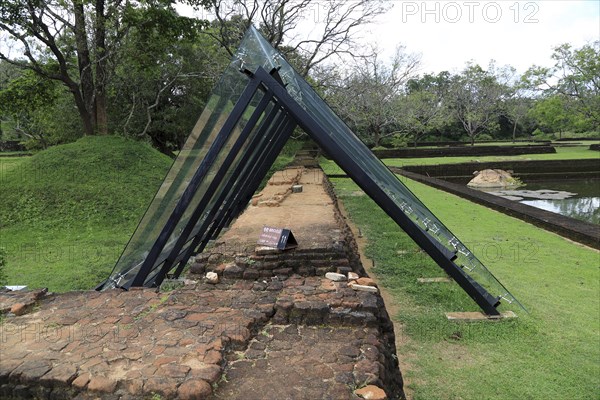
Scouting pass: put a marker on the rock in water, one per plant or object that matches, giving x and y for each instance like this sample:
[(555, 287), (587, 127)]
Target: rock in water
[(493, 178)]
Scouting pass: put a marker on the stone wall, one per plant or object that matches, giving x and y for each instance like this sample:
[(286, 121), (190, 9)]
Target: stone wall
[(465, 151)]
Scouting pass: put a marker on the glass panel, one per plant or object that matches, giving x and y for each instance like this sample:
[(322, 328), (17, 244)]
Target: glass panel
[(255, 51), (221, 103), (258, 52)]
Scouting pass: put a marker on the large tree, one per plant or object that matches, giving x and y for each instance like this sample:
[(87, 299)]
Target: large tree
[(476, 99), (333, 26), (76, 42), (424, 109), (575, 76), (367, 98)]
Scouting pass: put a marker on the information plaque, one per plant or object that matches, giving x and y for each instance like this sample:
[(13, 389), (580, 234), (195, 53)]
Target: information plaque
[(282, 239)]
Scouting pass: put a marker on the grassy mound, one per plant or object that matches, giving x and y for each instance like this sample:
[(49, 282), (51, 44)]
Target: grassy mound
[(67, 212), (105, 181)]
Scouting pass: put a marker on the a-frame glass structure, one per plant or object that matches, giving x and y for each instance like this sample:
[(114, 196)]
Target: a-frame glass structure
[(251, 113)]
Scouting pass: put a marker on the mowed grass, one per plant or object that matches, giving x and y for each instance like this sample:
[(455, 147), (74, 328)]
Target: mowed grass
[(67, 212), (562, 153), (552, 352)]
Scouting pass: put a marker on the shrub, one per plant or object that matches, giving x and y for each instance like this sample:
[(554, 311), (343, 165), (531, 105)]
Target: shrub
[(484, 136), (399, 141)]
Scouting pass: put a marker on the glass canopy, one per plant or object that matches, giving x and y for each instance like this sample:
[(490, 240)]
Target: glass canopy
[(253, 109)]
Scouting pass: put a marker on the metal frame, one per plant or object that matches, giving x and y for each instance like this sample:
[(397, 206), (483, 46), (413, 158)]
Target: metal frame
[(272, 130)]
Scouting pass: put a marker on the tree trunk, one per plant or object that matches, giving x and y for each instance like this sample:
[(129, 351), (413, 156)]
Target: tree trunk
[(472, 140), (101, 115), (86, 117), (515, 131), (84, 99)]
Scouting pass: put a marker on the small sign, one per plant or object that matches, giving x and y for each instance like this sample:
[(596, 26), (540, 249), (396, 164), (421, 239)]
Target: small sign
[(282, 239)]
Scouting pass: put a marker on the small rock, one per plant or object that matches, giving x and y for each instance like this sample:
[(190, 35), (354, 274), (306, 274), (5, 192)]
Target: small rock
[(18, 309), (297, 189), (194, 389), (197, 268), (212, 277), (102, 384), (366, 282), (265, 251), (233, 270), (335, 277), (364, 288), (352, 276), (371, 392)]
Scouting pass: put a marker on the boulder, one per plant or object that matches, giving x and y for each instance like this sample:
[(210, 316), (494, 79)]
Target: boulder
[(493, 178)]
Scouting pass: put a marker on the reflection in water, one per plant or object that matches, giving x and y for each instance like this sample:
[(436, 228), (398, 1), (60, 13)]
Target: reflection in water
[(583, 208), (585, 205), (582, 200)]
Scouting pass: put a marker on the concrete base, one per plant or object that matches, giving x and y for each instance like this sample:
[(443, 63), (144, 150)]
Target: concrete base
[(478, 316)]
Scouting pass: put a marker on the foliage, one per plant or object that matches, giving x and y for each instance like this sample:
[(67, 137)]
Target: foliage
[(157, 94), (475, 97), (78, 44), (31, 103), (574, 80)]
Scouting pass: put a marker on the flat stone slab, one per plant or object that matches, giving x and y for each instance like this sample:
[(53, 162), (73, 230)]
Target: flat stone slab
[(440, 279), (541, 194), (478, 316)]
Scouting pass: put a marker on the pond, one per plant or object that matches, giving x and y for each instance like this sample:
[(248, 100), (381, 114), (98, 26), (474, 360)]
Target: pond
[(584, 205), (579, 199)]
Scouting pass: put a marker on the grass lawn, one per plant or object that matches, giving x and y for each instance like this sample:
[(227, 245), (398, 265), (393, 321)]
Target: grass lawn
[(562, 153), (552, 352), (67, 213)]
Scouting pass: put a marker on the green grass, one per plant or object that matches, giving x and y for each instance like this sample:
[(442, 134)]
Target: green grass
[(562, 153), (67, 212), (550, 353)]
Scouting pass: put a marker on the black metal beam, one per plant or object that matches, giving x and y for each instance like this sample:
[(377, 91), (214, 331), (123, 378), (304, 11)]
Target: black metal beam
[(195, 182), (484, 299), (213, 187), (258, 143)]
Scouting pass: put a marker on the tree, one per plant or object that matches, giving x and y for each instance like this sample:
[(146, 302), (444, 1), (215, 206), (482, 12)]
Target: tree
[(553, 114), (424, 109), (576, 76), (76, 43), (367, 99), (476, 95), (279, 20), (161, 84), (516, 109)]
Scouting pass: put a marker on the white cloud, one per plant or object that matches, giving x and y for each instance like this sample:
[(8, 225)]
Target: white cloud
[(519, 33)]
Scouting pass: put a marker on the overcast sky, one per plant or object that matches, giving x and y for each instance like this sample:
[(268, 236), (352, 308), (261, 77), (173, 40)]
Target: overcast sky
[(519, 33), (450, 33)]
